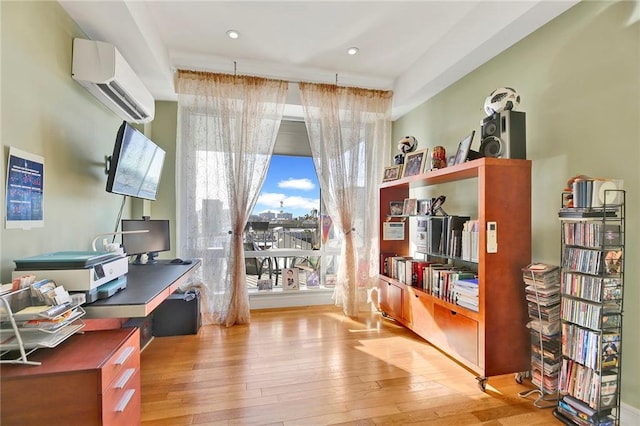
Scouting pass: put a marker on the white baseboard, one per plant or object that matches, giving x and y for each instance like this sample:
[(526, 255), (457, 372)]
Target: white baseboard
[(629, 416)]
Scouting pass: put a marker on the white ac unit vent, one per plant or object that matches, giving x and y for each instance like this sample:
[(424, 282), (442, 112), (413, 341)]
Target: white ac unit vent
[(102, 70)]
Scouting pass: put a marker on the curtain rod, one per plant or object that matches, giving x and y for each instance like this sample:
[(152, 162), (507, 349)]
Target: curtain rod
[(288, 80)]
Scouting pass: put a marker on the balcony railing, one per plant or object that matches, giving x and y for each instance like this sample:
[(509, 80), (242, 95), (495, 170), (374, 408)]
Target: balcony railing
[(270, 251)]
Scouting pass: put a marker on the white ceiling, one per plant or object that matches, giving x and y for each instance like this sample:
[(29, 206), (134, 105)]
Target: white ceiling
[(415, 48)]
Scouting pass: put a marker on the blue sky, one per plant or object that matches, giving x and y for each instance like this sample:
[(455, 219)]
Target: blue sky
[(293, 181)]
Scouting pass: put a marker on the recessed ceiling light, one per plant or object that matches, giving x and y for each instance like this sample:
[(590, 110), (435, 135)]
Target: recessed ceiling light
[(233, 34), (352, 50)]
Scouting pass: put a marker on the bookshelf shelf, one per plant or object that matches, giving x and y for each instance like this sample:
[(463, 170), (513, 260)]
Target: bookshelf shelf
[(474, 339), (592, 287)]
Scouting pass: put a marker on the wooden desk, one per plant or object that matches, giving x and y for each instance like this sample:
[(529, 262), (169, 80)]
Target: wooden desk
[(90, 379), (147, 287)]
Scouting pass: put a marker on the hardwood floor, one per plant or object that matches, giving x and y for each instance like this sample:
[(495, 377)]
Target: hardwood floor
[(314, 366)]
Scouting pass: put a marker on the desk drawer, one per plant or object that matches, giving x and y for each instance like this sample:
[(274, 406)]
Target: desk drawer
[(121, 402), (128, 354), (457, 333)]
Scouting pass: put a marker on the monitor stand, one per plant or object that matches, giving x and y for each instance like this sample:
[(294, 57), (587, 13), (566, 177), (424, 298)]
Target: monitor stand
[(151, 259)]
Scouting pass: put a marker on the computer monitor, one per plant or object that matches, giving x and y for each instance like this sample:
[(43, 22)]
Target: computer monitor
[(150, 243)]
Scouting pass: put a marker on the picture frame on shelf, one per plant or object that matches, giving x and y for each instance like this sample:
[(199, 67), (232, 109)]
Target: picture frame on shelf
[(424, 207), (312, 279), (396, 208), (464, 147), (264, 284), (410, 207), (290, 279), (414, 163), (392, 173)]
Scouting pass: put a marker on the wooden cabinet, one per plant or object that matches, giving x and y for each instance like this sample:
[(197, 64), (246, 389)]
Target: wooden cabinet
[(495, 339), (90, 379)]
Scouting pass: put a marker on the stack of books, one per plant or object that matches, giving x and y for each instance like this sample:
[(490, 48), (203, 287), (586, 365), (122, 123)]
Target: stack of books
[(581, 414), (465, 293), (542, 288)]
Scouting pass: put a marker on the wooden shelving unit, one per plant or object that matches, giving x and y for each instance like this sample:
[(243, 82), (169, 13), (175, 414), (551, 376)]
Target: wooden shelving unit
[(494, 340)]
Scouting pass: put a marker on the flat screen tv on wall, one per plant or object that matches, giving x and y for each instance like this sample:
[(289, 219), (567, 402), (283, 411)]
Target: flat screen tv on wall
[(136, 164)]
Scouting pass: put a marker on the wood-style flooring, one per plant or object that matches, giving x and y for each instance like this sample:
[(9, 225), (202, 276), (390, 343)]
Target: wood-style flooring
[(315, 366)]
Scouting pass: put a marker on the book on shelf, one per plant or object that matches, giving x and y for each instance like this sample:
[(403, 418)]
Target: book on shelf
[(466, 292), (415, 272), (400, 269), (455, 226), (428, 276)]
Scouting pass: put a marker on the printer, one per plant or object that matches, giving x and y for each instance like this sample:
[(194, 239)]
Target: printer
[(96, 274)]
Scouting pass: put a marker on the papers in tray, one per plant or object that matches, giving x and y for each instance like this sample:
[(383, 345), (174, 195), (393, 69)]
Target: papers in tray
[(6, 288)]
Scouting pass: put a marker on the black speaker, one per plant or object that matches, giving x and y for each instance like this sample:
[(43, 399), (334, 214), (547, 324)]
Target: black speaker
[(503, 135)]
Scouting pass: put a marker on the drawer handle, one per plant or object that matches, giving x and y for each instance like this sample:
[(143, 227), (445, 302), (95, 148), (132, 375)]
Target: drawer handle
[(454, 313), (125, 378), (122, 405), (125, 355)]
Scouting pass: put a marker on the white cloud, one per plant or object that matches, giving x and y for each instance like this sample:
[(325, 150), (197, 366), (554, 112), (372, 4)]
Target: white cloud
[(271, 201), (301, 184)]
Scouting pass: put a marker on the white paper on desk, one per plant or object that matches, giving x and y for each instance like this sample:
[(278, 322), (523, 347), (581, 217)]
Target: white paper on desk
[(393, 231)]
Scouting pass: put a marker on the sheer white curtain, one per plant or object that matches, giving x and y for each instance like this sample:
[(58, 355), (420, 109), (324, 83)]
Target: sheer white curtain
[(348, 129), (227, 128)]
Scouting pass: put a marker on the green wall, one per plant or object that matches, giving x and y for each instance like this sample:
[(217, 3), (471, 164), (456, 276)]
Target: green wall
[(47, 113), (579, 78)]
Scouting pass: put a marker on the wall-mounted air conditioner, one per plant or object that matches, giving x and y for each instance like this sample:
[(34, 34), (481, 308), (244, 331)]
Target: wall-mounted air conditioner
[(100, 68)]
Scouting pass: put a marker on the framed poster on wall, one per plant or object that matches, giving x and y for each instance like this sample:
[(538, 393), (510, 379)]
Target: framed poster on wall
[(25, 190)]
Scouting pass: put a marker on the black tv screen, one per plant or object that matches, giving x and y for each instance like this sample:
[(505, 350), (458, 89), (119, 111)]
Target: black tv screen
[(136, 164), (155, 240)]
